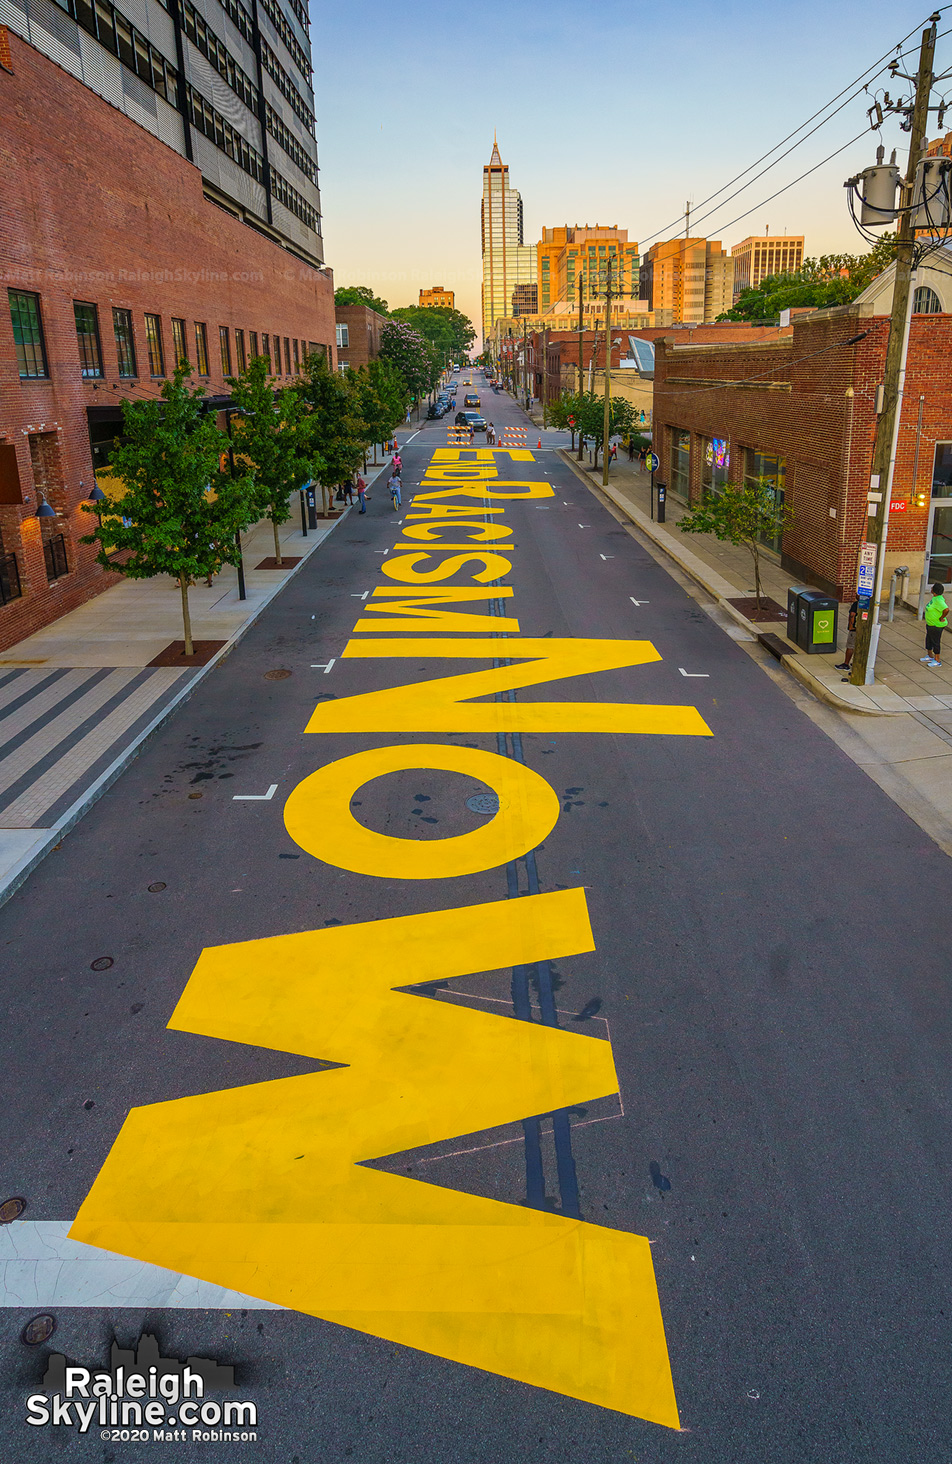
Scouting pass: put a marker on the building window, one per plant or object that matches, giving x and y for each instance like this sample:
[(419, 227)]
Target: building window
[(201, 348), (266, 348), (253, 344), (179, 345), (54, 552), (153, 335), (343, 336), (287, 356), (240, 350), (10, 588), (942, 470), (926, 302), (224, 340), (715, 465), (297, 359), (679, 467), (125, 341), (771, 471), (87, 333)]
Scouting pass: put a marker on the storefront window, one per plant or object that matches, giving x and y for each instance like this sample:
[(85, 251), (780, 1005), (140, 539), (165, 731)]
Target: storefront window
[(764, 467), (679, 471), (715, 464), (942, 471)]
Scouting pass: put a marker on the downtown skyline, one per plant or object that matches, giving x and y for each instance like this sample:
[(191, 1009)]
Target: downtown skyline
[(426, 196)]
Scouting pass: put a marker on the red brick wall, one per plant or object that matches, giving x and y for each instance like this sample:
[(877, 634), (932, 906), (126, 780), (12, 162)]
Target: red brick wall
[(97, 209), (824, 426), (364, 326)]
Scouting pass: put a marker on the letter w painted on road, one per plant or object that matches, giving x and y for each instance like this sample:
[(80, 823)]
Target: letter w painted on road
[(263, 1188), (426, 604), (443, 705)]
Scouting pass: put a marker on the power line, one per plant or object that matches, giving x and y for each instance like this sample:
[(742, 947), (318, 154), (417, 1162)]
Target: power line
[(794, 182), (767, 154)]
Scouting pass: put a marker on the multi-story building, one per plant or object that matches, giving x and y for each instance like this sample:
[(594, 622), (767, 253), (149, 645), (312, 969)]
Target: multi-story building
[(158, 206), (525, 300), (358, 335), (436, 295), (691, 277), (507, 260), (565, 255), (797, 409), (760, 256)]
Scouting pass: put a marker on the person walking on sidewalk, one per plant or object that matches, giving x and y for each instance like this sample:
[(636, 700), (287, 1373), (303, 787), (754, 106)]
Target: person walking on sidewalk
[(631, 449), (844, 665), (937, 618), (362, 494)]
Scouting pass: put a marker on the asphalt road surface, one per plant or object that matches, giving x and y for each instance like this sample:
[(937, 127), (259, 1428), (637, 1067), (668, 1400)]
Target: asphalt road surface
[(475, 1248)]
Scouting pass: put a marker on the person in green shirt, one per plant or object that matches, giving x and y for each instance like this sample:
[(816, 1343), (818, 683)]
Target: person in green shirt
[(937, 617)]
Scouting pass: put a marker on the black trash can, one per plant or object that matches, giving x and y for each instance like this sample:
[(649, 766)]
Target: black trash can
[(816, 622), (793, 612)]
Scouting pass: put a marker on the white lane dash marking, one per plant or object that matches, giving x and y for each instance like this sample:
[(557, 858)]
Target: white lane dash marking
[(355, 595), (606, 556), (638, 602), (324, 666), (255, 797), (705, 674), (415, 434), (585, 526)]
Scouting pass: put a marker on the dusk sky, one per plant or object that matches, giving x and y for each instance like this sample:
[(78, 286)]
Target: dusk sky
[(611, 114)]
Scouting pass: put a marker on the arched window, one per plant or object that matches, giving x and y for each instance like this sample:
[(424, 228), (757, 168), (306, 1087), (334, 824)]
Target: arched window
[(926, 302)]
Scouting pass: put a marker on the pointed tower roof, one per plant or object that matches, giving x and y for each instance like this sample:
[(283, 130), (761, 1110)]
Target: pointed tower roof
[(495, 160)]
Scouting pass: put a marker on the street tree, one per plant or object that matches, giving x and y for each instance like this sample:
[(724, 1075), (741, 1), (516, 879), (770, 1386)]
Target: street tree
[(381, 400), (590, 418), (744, 515), (833, 279), (273, 435), (360, 295), (450, 331), (412, 356), (335, 422), (179, 513)]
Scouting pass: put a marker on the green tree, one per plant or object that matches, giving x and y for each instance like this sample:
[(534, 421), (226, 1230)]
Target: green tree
[(833, 279), (742, 515), (360, 295), (179, 514), (335, 422), (272, 434), (411, 354), (590, 417), (449, 331), (381, 399)]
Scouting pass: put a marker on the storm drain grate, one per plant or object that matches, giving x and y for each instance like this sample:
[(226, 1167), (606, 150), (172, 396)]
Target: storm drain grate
[(483, 803)]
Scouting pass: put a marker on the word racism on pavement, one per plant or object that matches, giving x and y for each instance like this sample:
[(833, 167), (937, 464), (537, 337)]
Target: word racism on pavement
[(262, 1188)]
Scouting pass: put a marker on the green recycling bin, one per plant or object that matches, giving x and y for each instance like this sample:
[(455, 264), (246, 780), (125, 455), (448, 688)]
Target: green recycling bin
[(816, 622)]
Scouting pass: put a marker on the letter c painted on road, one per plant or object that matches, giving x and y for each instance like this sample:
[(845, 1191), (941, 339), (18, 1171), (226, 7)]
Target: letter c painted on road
[(318, 815)]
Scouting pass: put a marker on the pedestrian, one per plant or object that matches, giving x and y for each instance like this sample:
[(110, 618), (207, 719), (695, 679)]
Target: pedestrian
[(613, 453), (362, 493), (491, 435), (394, 488), (348, 487), (937, 618), (642, 459), (631, 449), (844, 665)]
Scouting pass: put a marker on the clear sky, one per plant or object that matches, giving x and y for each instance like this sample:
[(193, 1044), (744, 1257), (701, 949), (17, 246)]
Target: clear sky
[(612, 113)]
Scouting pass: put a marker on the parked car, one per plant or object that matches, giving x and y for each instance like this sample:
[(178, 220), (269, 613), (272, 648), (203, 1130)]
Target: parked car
[(436, 409), (470, 419), (471, 400)]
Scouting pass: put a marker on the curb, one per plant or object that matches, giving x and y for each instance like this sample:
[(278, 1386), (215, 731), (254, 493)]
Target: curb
[(24, 867), (791, 663)]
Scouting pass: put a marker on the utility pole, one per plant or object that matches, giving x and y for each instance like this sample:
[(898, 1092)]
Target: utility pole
[(687, 218), (887, 427), (580, 286), (607, 415)]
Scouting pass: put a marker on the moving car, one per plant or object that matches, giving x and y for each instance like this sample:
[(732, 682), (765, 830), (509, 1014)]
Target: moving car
[(472, 400), (470, 419)]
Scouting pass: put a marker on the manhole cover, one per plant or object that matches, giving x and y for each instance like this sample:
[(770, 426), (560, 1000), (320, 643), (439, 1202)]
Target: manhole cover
[(155, 888), (483, 803), (38, 1329), (101, 963), (11, 1210), (279, 674)]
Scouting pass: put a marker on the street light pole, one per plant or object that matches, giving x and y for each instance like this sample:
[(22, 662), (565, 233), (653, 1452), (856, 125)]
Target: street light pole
[(607, 416), (887, 427)]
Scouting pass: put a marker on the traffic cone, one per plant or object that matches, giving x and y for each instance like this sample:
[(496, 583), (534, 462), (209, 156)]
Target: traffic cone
[(540, 441)]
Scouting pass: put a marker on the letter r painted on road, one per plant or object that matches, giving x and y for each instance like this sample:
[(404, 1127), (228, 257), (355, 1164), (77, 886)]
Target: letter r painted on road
[(264, 1189)]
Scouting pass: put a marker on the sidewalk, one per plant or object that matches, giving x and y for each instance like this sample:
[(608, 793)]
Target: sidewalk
[(80, 697)]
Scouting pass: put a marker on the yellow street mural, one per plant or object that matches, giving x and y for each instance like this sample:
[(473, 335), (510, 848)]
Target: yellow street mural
[(263, 1188)]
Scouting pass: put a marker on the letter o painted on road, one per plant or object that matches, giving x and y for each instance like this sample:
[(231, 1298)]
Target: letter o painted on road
[(318, 815)]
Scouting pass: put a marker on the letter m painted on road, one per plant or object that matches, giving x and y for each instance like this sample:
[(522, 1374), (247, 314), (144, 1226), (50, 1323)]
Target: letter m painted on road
[(264, 1189), (444, 705)]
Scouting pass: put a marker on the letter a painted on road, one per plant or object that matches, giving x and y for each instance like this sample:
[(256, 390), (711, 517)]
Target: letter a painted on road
[(263, 1188)]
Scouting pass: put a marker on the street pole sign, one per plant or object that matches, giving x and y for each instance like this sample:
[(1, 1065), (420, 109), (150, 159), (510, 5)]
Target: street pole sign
[(866, 577), (654, 462)]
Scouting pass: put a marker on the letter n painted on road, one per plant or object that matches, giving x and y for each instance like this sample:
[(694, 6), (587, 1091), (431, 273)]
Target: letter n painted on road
[(263, 1188), (444, 705)]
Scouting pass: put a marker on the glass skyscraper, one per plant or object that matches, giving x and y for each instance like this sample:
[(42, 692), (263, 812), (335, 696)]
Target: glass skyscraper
[(507, 261)]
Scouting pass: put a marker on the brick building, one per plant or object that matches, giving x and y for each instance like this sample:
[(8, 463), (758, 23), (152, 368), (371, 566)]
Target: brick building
[(114, 262), (437, 296), (358, 334), (806, 424)]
